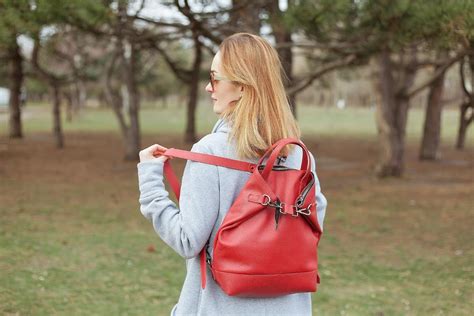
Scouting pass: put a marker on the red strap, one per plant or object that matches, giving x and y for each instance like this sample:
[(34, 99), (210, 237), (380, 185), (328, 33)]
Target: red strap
[(210, 159), (174, 182), (204, 158), (172, 179), (203, 267)]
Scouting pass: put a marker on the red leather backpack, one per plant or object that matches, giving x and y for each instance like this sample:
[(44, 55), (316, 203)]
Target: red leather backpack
[(267, 244)]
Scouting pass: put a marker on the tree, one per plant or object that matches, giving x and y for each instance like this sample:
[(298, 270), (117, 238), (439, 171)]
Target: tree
[(28, 18), (16, 83), (406, 33), (395, 36), (55, 81), (283, 42), (432, 125), (79, 51), (16, 16), (124, 96), (326, 33), (453, 33), (130, 35), (156, 81), (467, 106), (197, 31), (245, 16)]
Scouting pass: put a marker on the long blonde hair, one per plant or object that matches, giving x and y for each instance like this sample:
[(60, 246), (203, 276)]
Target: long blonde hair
[(263, 115)]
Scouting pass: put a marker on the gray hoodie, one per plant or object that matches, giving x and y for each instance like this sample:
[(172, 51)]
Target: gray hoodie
[(207, 192)]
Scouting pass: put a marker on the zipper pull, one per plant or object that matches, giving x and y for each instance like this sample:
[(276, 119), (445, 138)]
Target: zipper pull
[(277, 217), (277, 212)]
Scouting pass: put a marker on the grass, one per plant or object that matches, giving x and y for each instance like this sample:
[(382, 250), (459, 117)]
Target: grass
[(73, 242), (358, 122)]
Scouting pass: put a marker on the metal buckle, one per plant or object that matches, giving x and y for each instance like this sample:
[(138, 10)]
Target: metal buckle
[(281, 207), (267, 202), (295, 212), (278, 205), (304, 211), (275, 204)]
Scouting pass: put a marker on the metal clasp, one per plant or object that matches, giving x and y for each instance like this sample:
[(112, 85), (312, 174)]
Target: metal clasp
[(267, 201), (277, 204), (304, 211)]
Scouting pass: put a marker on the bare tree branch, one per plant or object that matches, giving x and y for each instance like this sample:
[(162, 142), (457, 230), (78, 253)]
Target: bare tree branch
[(233, 8), (186, 11), (463, 77), (436, 75), (43, 73), (304, 83), (313, 45), (73, 72), (161, 23), (183, 74), (142, 5)]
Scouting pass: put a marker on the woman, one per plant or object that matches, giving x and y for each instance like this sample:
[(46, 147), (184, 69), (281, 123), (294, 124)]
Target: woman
[(248, 95)]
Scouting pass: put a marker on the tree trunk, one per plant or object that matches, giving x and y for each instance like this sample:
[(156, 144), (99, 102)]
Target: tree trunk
[(283, 35), (392, 110), (69, 104), (57, 127), (133, 136), (247, 17), (16, 82), (190, 133), (465, 120), (466, 116), (55, 88), (126, 98), (432, 126), (113, 97)]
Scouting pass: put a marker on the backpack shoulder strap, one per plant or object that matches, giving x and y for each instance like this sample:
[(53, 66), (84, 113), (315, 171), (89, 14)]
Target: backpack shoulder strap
[(210, 159), (204, 158)]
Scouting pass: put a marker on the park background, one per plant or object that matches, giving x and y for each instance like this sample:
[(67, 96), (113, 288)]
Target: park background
[(382, 91)]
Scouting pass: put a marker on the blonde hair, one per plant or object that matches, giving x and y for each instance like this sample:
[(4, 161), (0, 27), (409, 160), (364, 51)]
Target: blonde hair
[(263, 115)]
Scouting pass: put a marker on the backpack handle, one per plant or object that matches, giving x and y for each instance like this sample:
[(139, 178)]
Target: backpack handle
[(275, 151)]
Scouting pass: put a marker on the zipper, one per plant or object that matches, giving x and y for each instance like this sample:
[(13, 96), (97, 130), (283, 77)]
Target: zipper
[(304, 193), (276, 168)]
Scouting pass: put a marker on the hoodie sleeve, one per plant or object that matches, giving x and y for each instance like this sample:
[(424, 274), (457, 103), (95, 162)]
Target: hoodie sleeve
[(185, 229), (321, 202)]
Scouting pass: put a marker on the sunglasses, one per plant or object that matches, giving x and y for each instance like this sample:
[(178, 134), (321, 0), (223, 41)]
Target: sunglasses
[(213, 79)]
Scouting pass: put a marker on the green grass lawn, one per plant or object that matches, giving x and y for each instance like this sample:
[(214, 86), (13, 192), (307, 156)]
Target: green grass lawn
[(73, 242), (314, 121)]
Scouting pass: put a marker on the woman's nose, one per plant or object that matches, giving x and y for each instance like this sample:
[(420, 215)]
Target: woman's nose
[(209, 87)]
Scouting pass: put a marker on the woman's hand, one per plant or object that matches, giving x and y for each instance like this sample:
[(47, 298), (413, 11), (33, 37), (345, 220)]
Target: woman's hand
[(153, 153)]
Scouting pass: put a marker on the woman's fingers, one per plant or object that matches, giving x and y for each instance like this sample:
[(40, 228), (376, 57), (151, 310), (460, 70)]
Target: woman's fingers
[(153, 151), (158, 151)]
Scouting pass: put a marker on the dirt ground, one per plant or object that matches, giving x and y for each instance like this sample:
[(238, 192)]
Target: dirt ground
[(344, 166)]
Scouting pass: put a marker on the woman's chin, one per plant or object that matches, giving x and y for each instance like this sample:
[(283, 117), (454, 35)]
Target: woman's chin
[(216, 110)]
